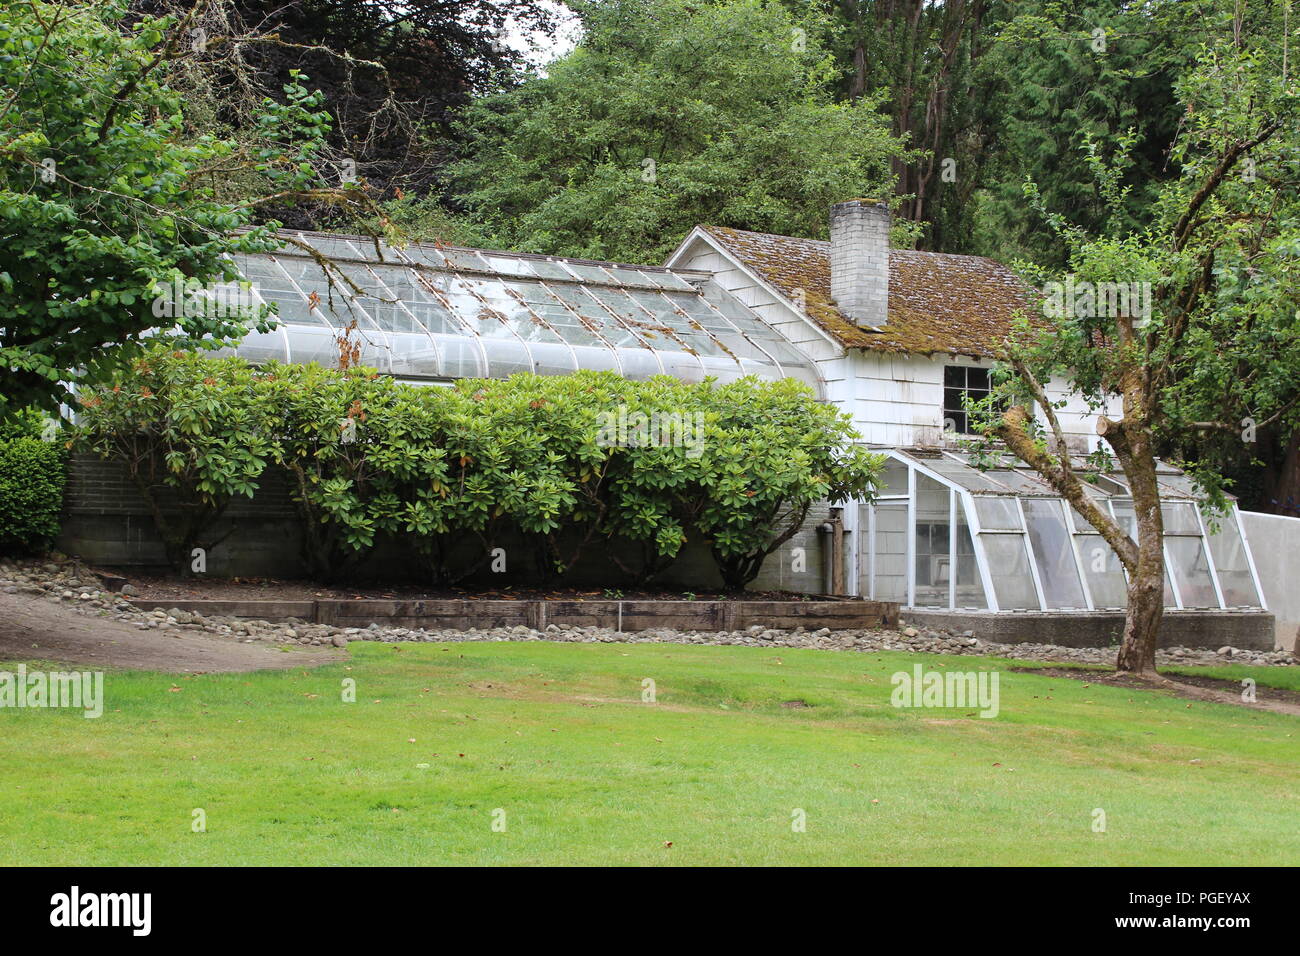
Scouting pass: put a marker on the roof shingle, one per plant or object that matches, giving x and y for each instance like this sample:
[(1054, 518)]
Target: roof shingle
[(938, 302)]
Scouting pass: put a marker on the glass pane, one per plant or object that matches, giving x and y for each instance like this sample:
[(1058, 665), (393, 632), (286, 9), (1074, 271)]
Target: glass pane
[(1229, 553), (1191, 570), (1180, 518), (314, 343), (258, 347), (1054, 552), (1104, 573), (969, 478), (274, 288), (933, 561), (970, 589), (1009, 567), (998, 513), (893, 480), (889, 561), (1126, 516)]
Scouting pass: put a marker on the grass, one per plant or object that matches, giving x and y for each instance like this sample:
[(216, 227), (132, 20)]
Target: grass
[(557, 736)]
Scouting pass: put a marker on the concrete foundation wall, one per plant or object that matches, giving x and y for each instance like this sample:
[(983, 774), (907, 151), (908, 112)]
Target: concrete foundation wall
[(1251, 630), (1275, 544)]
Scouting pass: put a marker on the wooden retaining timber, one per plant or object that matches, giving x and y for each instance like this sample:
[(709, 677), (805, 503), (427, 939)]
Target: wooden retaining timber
[(620, 615)]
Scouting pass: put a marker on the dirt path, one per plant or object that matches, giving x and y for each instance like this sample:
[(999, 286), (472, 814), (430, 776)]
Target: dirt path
[(32, 628), (1213, 689)]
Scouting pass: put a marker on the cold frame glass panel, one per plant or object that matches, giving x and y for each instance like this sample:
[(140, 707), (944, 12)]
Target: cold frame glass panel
[(459, 356), (1054, 552), (1103, 571), (970, 589), (969, 478), (547, 269), (1191, 569), (657, 308), (415, 354), (1180, 518), (1009, 568), (893, 479), (594, 316), (998, 514), (665, 280), (889, 561), (465, 259), (1126, 517), (315, 343), (506, 356), (383, 292), (331, 246), (931, 553), (331, 293), (589, 273), (639, 363), (425, 295), (1229, 554)]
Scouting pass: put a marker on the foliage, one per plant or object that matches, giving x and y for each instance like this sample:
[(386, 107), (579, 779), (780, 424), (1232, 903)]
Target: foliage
[(26, 423), (106, 200), (391, 72), (444, 470), (667, 115), (191, 435), (31, 492)]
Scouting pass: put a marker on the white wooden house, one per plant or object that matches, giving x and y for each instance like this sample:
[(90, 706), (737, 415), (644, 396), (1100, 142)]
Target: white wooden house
[(897, 337)]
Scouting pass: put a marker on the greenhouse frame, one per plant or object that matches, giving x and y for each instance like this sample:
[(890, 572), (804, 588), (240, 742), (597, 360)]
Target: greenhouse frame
[(434, 313), (946, 535)]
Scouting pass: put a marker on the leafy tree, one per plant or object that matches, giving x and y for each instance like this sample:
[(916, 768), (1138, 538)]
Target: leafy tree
[(391, 71), (927, 58), (1056, 71), (669, 114), (1218, 350), (106, 200)]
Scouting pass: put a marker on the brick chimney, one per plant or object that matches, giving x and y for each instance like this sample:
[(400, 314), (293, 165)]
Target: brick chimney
[(860, 260)]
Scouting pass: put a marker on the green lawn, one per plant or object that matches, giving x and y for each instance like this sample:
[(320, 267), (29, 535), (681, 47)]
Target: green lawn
[(557, 736)]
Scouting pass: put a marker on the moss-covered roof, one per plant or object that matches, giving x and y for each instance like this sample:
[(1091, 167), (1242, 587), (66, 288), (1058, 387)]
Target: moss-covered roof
[(938, 302)]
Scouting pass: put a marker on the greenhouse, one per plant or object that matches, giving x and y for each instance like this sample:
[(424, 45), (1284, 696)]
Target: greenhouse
[(946, 535), (434, 313)]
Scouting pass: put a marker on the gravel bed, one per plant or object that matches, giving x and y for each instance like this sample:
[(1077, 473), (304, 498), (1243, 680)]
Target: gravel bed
[(69, 583)]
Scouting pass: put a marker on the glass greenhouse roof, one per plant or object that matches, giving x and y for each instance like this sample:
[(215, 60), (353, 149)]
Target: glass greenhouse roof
[(944, 534), (437, 312)]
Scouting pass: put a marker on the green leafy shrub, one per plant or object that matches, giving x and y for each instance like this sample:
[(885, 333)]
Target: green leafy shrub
[(32, 479), (24, 423), (192, 433), (570, 462)]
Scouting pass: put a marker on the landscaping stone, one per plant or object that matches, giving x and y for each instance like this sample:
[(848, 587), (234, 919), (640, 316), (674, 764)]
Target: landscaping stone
[(80, 589)]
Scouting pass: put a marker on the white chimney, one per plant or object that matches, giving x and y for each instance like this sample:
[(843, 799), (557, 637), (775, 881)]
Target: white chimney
[(860, 260)]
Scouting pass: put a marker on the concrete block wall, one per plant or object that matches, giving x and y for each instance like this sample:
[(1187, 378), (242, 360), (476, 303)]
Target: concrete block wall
[(106, 523)]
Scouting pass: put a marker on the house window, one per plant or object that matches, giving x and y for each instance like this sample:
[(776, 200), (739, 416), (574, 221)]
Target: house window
[(958, 382)]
